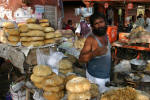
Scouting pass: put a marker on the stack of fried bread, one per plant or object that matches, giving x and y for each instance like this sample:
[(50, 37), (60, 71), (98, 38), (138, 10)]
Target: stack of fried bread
[(78, 88), (40, 72), (11, 34), (31, 34), (31, 21), (49, 31), (52, 84), (67, 33), (44, 22), (65, 66), (53, 87), (58, 35), (70, 76)]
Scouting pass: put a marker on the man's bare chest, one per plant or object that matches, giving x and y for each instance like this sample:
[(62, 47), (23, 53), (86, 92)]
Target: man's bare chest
[(96, 45)]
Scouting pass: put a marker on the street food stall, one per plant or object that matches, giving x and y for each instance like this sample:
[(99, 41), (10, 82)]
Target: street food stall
[(41, 53), (47, 58)]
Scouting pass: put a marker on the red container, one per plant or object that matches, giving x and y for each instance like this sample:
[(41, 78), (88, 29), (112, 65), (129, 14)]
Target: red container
[(123, 37), (112, 33)]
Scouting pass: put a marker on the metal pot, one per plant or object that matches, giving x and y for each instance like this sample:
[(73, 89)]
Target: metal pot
[(138, 65)]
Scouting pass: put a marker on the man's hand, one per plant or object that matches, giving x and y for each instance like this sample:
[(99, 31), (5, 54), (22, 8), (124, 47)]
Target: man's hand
[(99, 51), (77, 34)]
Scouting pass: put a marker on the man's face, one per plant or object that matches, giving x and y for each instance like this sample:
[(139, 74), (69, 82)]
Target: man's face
[(99, 27), (99, 23), (87, 19)]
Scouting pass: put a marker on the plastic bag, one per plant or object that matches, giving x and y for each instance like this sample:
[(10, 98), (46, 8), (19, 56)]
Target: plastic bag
[(41, 57), (123, 66), (16, 87), (54, 59), (19, 95), (29, 85), (51, 60), (38, 95), (146, 78)]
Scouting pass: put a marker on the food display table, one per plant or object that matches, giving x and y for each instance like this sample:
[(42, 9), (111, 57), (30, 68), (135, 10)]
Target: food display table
[(19, 56)]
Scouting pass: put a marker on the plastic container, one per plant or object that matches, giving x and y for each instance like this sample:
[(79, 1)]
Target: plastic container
[(123, 37), (112, 33)]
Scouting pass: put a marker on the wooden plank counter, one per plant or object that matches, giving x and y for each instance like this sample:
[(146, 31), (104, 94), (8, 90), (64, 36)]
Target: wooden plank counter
[(122, 45)]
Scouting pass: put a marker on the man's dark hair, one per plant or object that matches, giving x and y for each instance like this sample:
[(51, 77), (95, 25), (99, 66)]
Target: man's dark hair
[(96, 16), (69, 22), (139, 17)]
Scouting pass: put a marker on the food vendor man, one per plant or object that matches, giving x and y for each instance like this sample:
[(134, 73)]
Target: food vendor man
[(96, 52)]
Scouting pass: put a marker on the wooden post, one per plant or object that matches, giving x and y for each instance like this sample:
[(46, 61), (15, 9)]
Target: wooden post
[(27, 94), (126, 14)]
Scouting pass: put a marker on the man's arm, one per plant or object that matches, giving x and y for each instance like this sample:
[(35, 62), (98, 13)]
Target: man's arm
[(87, 53)]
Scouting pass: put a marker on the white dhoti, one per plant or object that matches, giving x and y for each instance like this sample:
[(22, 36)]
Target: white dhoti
[(100, 82)]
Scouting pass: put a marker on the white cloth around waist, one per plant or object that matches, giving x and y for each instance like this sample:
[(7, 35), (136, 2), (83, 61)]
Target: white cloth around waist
[(100, 82)]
